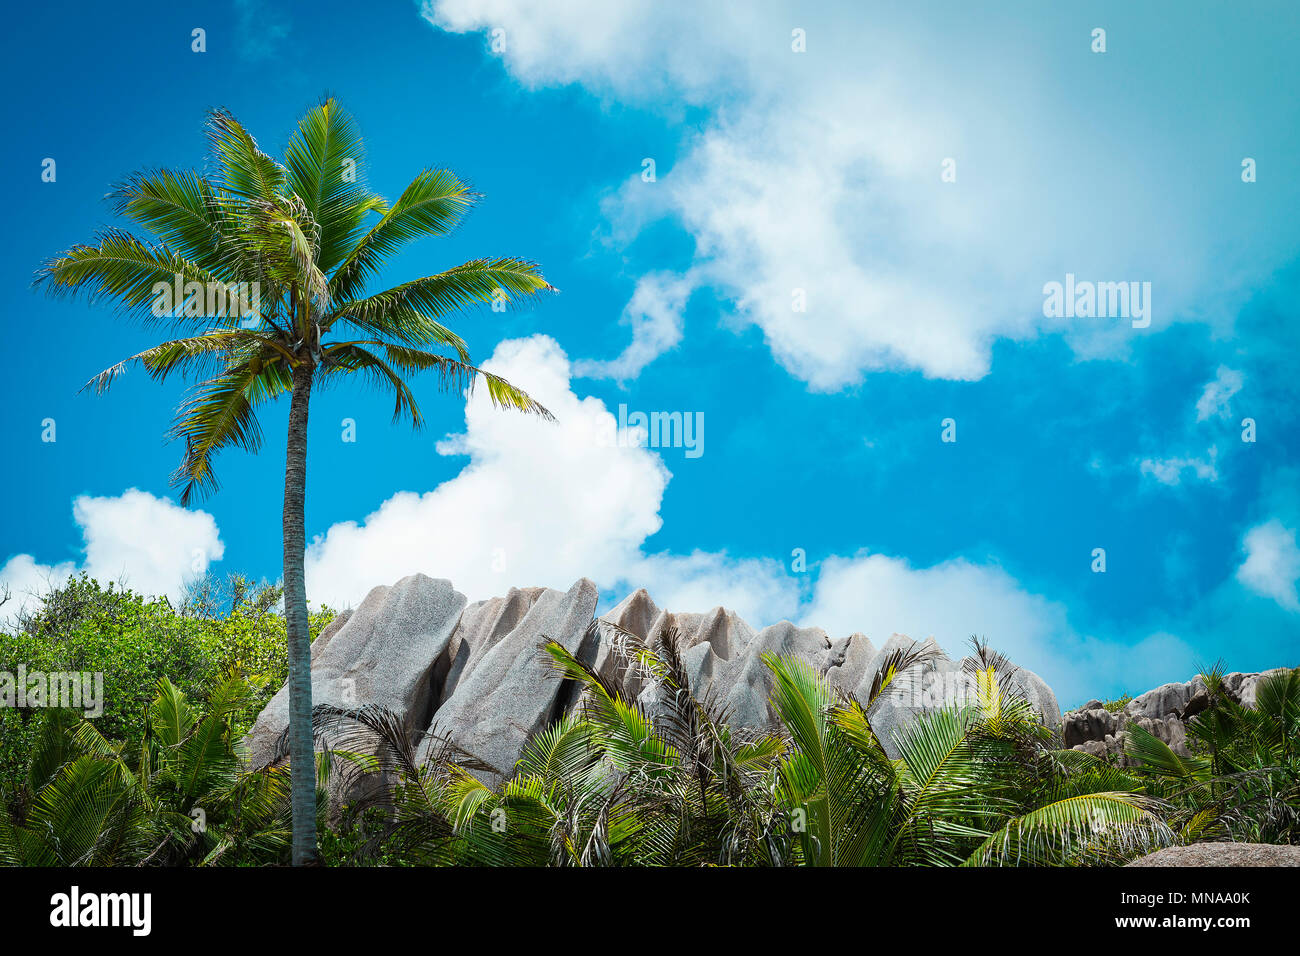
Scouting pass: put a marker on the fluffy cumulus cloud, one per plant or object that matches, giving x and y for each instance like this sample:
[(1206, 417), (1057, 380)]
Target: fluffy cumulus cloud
[(537, 503), (814, 188), (954, 600), (147, 543), (545, 504), (1272, 565)]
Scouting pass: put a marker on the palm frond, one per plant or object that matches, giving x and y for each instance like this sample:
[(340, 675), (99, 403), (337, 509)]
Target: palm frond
[(432, 205)]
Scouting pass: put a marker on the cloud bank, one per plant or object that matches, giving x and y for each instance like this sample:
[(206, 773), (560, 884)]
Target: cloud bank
[(893, 192), (150, 544)]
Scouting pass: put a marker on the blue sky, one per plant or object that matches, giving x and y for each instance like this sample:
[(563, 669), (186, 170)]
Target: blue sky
[(780, 176)]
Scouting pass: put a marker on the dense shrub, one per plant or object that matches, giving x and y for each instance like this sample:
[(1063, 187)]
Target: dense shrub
[(134, 642)]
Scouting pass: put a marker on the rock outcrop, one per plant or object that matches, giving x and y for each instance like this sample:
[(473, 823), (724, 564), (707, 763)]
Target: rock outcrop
[(1222, 854), (1163, 712), (382, 653), (471, 674), (509, 693)]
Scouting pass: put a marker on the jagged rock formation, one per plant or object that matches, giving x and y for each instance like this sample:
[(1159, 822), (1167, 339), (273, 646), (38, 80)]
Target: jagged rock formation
[(723, 655), (472, 674), (1162, 712)]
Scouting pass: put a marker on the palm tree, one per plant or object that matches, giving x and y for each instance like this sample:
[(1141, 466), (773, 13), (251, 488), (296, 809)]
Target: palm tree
[(181, 793), (270, 258), (1242, 779), (660, 779)]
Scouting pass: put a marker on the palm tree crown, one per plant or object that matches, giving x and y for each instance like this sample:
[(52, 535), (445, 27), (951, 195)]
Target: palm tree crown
[(264, 269), (307, 236)]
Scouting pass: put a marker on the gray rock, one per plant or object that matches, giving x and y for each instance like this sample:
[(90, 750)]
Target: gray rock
[(849, 660), (510, 692), (1162, 712), (382, 654), (1164, 700), (1092, 724), (637, 613), (328, 631), (1223, 854), (1095, 747), (746, 679), (722, 630), (1249, 686), (482, 626)]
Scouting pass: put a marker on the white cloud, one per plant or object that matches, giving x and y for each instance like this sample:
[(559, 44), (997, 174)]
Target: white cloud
[(820, 171), (22, 581), (655, 314), (1218, 393), (1169, 471), (537, 504), (953, 600), (585, 39), (540, 504), (1272, 565), (149, 544), (880, 595)]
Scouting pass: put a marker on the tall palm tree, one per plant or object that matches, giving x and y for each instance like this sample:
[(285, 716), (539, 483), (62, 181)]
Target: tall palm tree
[(274, 261)]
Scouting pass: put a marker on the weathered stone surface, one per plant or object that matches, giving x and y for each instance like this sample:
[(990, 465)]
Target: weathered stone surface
[(746, 678), (1163, 701), (382, 653), (482, 626), (1249, 685), (1163, 712), (1223, 854), (1091, 724), (328, 631), (848, 661), (1095, 747), (722, 630), (510, 692), (1025, 683), (637, 613)]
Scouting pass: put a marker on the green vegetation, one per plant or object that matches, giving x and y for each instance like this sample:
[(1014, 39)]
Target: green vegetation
[(180, 795), (1242, 781), (221, 627), (265, 270), (159, 779)]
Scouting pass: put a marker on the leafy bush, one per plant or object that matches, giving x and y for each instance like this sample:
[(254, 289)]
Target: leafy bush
[(135, 642), (616, 782), (180, 794), (1241, 780)]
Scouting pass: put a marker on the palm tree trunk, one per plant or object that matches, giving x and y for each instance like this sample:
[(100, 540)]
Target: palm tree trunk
[(302, 760)]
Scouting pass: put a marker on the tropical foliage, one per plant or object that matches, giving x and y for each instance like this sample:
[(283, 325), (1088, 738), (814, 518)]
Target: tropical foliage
[(82, 626), (1242, 779), (657, 778), (263, 271), (663, 780), (181, 795)]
